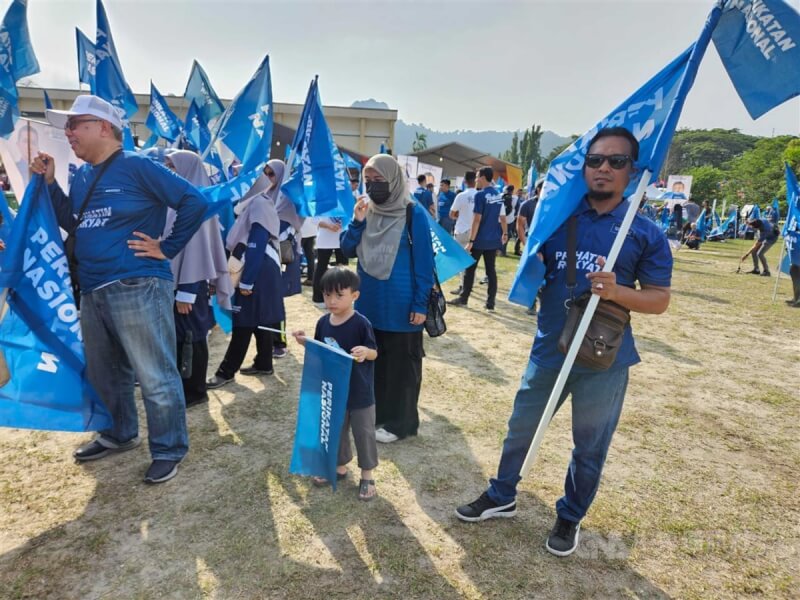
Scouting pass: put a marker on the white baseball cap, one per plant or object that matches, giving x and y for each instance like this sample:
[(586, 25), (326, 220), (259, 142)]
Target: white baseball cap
[(86, 105)]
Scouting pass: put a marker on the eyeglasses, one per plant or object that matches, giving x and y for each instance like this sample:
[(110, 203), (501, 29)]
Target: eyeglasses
[(615, 161), (72, 124)]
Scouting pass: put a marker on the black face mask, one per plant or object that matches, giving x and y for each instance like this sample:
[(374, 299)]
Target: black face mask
[(378, 191)]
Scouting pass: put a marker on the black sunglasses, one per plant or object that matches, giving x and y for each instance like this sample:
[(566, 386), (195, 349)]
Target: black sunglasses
[(615, 161)]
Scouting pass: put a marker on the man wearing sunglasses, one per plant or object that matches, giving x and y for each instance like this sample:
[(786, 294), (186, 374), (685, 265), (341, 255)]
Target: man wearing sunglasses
[(597, 396), (116, 209)]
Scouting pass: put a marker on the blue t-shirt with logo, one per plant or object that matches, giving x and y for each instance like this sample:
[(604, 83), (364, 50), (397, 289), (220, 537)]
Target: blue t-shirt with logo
[(645, 257), (356, 331), (445, 200), (424, 197), (488, 204), (132, 195)]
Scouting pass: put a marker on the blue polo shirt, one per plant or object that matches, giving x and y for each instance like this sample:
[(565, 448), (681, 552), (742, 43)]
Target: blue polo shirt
[(488, 204), (446, 203), (645, 257), (424, 197)]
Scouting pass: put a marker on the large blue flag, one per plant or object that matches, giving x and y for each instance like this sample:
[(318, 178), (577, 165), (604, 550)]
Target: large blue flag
[(320, 413), (17, 60), (757, 42), (449, 256), (199, 91), (246, 127), (109, 81), (161, 120), (197, 134), (318, 183), (40, 335), (87, 60), (721, 230), (651, 114), (793, 202)]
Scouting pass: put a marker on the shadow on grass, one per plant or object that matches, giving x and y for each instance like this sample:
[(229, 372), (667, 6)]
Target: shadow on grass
[(662, 348), (699, 296), (452, 348)]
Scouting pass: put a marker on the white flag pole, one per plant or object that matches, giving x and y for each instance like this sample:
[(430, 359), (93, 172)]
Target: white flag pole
[(583, 326), (778, 278)]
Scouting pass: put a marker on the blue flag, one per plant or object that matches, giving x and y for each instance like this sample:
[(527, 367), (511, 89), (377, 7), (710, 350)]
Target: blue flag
[(47, 104), (793, 202), (161, 120), (651, 114), (40, 335), (199, 91), (722, 229), (110, 84), (86, 59), (755, 213), (318, 183), (449, 256), (17, 60), (246, 127), (320, 414), (776, 211), (501, 184), (197, 134), (757, 42), (532, 175), (701, 225)]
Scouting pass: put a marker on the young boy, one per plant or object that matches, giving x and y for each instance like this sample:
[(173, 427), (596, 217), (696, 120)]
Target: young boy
[(349, 330)]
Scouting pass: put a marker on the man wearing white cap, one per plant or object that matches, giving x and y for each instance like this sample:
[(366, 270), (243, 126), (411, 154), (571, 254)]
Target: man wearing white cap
[(116, 209)]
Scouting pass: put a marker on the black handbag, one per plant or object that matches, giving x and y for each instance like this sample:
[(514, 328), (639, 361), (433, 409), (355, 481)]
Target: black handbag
[(69, 242), (287, 251), (599, 347), (437, 306)]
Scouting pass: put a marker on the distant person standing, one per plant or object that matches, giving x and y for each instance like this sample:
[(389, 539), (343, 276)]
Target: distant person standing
[(461, 213), (445, 203), (510, 204), (328, 233), (767, 236), (423, 195), (487, 237)]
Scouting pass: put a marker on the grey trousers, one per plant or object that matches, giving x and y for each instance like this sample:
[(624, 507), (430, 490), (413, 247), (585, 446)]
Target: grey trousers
[(362, 424), (760, 255)]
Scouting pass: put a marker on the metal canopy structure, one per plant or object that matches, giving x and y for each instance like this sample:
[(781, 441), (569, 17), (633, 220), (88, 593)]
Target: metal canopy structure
[(456, 158)]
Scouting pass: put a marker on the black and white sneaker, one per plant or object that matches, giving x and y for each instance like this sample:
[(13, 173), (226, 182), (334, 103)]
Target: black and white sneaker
[(217, 381), (254, 370), (485, 508), (563, 538), (101, 447), (161, 471)]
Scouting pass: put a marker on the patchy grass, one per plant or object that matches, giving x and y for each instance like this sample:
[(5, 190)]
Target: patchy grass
[(700, 495)]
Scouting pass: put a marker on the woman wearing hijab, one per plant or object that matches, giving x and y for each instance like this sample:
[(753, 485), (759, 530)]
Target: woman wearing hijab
[(200, 264), (396, 281), (258, 300)]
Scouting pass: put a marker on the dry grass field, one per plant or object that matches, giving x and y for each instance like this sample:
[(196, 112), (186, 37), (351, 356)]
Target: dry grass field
[(700, 497)]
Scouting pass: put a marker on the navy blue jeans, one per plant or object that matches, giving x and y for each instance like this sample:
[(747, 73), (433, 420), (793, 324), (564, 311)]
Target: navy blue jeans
[(128, 329), (596, 405)]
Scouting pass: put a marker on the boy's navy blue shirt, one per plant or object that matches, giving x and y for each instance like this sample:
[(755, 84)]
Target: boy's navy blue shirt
[(424, 197), (488, 204), (356, 331), (645, 257), (132, 195)]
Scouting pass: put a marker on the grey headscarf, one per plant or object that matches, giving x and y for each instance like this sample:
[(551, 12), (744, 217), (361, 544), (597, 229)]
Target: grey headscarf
[(381, 238), (203, 257), (258, 206)]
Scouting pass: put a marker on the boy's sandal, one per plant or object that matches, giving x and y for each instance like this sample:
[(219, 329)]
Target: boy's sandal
[(363, 490), (322, 482)]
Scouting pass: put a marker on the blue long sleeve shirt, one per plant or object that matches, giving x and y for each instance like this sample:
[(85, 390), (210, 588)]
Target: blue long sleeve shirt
[(132, 195), (388, 303)]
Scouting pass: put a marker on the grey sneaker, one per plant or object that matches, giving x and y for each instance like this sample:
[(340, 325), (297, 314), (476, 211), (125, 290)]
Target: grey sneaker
[(101, 447), (563, 538)]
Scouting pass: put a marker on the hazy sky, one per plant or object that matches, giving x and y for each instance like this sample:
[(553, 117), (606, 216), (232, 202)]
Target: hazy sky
[(449, 65)]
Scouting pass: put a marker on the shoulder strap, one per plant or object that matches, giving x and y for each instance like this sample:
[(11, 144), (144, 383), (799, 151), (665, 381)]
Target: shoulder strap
[(409, 212), (89, 193), (572, 250)]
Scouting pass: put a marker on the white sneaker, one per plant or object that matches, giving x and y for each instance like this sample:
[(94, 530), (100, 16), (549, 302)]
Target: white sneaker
[(385, 437)]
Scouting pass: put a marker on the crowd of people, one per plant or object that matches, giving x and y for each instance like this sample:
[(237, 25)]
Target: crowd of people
[(150, 266)]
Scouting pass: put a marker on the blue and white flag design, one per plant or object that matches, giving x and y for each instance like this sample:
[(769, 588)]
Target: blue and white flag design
[(791, 229), (318, 184), (757, 42), (109, 81), (199, 91), (651, 114), (320, 414), (40, 335), (87, 61), (532, 175), (161, 120), (450, 258), (17, 60), (197, 134), (246, 127)]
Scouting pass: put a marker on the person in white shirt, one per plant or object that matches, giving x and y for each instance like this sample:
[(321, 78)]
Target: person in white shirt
[(461, 213), (327, 245), (308, 238)]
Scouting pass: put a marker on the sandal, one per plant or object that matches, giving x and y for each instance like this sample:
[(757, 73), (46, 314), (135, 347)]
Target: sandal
[(322, 482), (363, 490)]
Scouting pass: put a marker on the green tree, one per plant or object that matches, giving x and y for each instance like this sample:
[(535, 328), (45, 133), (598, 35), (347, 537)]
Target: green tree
[(523, 150), (758, 173), (420, 142), (706, 183), (559, 149), (705, 147)]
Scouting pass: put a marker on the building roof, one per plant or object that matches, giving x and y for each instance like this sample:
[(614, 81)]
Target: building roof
[(456, 158)]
